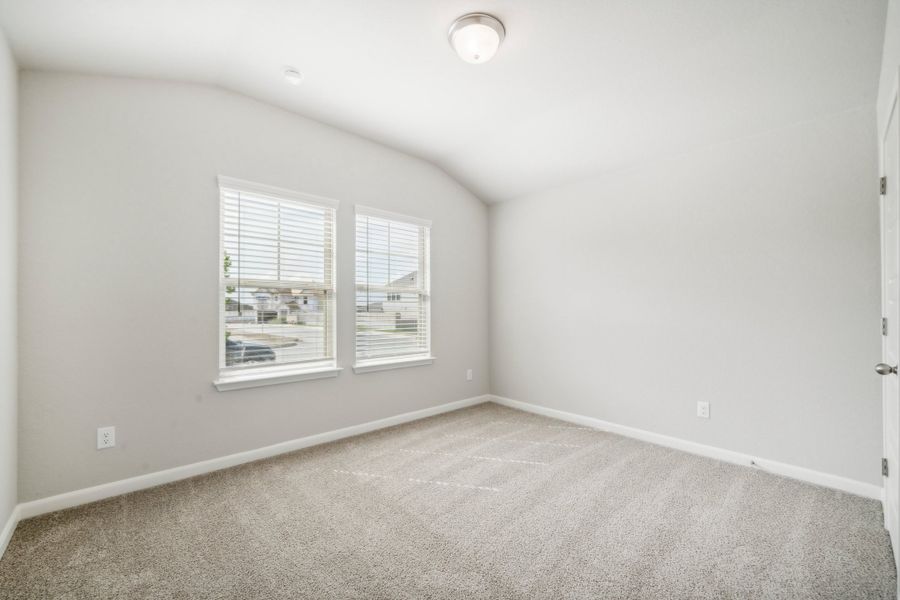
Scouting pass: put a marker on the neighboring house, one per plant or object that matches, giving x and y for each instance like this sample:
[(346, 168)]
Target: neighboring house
[(400, 309), (288, 306), (405, 306)]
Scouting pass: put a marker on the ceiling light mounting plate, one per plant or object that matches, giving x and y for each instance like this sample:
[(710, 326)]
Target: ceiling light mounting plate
[(293, 76)]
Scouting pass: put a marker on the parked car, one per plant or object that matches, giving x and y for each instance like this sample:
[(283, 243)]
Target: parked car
[(238, 353)]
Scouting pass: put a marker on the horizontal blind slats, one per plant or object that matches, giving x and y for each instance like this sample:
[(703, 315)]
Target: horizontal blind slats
[(278, 289), (392, 294)]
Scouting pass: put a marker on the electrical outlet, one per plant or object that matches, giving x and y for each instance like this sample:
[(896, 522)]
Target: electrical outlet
[(106, 437), (469, 375), (703, 410)]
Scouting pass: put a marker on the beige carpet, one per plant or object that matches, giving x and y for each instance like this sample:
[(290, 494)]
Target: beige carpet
[(485, 502)]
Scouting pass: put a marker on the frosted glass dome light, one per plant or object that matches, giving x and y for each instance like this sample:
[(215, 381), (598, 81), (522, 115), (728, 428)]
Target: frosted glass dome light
[(476, 37)]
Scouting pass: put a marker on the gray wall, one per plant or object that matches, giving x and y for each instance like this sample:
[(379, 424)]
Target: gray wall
[(890, 64), (745, 275), (119, 263), (8, 227)]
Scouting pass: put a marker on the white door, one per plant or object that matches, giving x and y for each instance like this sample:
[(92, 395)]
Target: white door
[(890, 302)]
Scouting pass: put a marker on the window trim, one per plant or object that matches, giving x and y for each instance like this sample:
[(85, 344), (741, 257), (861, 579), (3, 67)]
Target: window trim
[(235, 379), (273, 376), (370, 366), (385, 363), (392, 216), (273, 192)]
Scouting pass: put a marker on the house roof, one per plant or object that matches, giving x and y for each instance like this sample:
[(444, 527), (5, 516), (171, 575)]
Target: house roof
[(410, 277)]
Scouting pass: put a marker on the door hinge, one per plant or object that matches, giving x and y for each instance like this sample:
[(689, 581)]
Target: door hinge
[(884, 467), (883, 186), (883, 325)]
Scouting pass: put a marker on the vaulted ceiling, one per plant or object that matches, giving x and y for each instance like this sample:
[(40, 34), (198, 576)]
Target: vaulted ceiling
[(579, 86)]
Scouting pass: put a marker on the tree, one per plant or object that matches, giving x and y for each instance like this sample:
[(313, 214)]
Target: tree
[(229, 289), (227, 270)]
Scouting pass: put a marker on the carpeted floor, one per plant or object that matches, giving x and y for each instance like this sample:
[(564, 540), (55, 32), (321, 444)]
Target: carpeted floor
[(486, 502)]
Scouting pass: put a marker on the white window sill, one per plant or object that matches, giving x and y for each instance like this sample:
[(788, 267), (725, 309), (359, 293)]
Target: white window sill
[(385, 365), (239, 381)]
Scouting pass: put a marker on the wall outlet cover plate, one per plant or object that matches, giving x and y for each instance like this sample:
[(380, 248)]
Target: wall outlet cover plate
[(106, 437)]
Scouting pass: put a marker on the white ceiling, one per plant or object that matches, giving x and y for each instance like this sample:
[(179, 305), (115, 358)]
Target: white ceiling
[(578, 87)]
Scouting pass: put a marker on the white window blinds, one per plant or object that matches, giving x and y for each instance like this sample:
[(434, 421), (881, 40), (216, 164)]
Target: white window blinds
[(392, 287), (276, 278)]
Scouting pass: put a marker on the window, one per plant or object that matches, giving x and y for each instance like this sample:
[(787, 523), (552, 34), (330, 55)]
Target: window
[(276, 285), (392, 290)]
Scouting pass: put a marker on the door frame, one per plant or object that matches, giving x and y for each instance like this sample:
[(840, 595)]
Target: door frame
[(882, 171)]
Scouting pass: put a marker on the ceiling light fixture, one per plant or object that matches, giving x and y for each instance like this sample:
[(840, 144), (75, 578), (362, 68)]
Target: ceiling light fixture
[(476, 37), (293, 76)]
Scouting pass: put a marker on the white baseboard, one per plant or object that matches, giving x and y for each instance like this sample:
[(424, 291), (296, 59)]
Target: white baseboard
[(26, 510), (8, 528), (828, 480)]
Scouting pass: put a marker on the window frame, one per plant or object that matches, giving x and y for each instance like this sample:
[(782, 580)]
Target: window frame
[(231, 378), (426, 357)]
